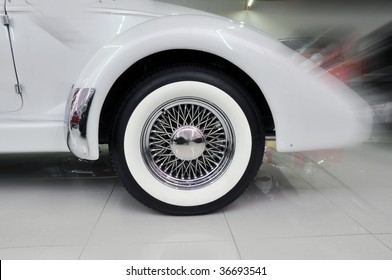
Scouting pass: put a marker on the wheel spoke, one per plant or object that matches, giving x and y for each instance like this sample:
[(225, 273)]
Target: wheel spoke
[(187, 143)]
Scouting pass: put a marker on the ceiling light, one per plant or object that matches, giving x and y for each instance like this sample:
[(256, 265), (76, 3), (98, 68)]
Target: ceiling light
[(248, 4)]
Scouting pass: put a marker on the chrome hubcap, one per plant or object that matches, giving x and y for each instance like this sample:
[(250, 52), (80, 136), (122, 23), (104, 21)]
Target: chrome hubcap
[(187, 143)]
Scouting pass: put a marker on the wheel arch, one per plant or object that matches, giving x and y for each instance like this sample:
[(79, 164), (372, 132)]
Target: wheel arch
[(215, 41), (173, 57), (278, 75)]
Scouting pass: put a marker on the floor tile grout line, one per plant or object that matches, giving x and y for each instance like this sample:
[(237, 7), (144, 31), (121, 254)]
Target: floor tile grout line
[(232, 235), (40, 246), (347, 187), (312, 236), (336, 205), (335, 178), (98, 219), (382, 242)]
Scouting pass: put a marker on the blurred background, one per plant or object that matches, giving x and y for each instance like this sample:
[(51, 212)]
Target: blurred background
[(351, 39)]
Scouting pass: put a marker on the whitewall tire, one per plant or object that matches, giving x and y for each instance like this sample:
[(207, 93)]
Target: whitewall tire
[(187, 140)]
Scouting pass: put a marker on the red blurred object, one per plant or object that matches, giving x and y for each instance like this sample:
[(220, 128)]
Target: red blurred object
[(347, 70)]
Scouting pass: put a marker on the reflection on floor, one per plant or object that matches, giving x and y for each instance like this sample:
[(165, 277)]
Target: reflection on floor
[(314, 205)]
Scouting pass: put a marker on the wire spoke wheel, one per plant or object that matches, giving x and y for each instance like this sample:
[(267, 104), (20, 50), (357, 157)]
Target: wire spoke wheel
[(187, 143)]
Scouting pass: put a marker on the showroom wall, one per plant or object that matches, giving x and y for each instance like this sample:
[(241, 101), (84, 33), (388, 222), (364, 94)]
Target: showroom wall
[(288, 19)]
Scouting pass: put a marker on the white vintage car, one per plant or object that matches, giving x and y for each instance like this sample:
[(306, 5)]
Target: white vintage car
[(185, 99)]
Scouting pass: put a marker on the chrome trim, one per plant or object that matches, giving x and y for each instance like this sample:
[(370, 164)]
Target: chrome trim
[(76, 121)]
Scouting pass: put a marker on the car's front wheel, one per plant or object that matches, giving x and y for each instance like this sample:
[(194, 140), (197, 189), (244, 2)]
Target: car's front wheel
[(187, 140)]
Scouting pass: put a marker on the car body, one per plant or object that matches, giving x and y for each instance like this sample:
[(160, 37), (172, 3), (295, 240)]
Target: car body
[(112, 71)]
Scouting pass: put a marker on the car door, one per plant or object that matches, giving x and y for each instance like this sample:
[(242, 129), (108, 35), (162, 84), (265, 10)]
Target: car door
[(53, 41), (10, 98)]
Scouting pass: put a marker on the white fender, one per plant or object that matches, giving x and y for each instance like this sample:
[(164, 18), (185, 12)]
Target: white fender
[(311, 110)]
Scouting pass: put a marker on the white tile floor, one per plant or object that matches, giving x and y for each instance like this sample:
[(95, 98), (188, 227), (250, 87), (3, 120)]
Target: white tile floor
[(315, 205)]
